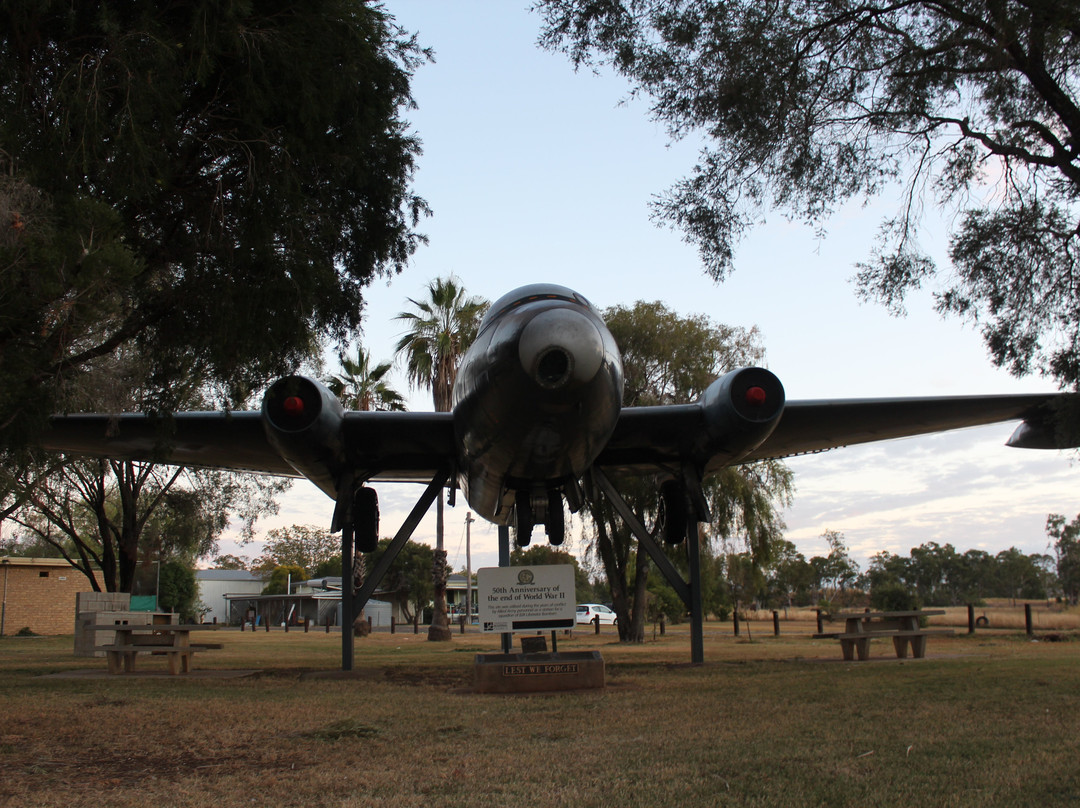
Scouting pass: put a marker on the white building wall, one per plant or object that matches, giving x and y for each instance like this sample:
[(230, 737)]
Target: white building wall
[(212, 592)]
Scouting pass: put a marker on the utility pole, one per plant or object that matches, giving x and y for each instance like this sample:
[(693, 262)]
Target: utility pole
[(468, 567)]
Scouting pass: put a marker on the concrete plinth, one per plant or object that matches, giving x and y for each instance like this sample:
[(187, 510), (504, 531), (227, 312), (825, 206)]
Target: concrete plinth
[(536, 673)]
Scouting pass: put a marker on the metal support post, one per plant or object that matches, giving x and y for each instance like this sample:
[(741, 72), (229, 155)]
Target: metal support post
[(346, 596), (504, 561), (697, 617)]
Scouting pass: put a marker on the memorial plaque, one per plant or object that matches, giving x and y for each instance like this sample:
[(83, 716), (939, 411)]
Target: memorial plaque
[(535, 673), (538, 598)]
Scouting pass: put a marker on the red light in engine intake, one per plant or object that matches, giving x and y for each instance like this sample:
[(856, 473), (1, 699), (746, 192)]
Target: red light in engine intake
[(293, 406), (756, 396)]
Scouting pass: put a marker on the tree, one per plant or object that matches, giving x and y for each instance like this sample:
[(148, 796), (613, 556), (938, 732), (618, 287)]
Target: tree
[(1066, 536), (976, 577), (792, 576), (837, 572), (409, 578), (1020, 574), (281, 578), (744, 579), (933, 571), (110, 514), (228, 561), (22, 543), (363, 387), (177, 589), (540, 554), (669, 358), (968, 105), (305, 546), (441, 329), (211, 183)]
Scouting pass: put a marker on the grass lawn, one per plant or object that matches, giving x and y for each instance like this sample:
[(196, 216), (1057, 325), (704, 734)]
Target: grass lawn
[(989, 720)]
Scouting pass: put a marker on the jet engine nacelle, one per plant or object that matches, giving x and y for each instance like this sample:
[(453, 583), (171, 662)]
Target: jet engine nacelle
[(741, 410), (304, 423)]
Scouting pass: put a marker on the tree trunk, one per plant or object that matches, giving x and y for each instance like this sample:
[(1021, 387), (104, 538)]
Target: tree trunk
[(641, 579), (439, 630)]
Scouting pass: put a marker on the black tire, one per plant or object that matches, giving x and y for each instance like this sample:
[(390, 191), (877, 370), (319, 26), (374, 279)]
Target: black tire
[(366, 519), (672, 515)]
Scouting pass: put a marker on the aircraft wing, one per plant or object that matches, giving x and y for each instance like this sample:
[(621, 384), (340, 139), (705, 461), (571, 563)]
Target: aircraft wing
[(379, 445), (663, 437), (234, 441), (814, 426), (400, 446)]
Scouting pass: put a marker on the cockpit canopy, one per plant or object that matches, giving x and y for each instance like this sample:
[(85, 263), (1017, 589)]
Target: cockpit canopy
[(530, 293)]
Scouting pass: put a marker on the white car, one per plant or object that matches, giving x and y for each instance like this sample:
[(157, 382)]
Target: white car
[(588, 612)]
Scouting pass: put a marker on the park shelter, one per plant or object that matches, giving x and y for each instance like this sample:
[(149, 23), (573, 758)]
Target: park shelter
[(318, 607)]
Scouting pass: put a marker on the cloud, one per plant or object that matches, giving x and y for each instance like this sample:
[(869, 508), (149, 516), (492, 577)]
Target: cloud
[(962, 488)]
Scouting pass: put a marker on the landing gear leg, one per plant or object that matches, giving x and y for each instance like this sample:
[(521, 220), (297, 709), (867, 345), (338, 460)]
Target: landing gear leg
[(556, 519), (523, 516), (673, 512)]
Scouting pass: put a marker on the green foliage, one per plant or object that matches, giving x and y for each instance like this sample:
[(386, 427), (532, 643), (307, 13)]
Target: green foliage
[(27, 544), (330, 568), (177, 589), (744, 577), (671, 358), (893, 597), (658, 368), (540, 554), (409, 578), (363, 387), (836, 574), (440, 331), (211, 183), (230, 562), (937, 575), (112, 514), (804, 106), (305, 546), (662, 600), (281, 576), (1066, 537), (790, 577)]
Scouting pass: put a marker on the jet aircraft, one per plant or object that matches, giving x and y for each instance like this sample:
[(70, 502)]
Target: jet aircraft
[(537, 422)]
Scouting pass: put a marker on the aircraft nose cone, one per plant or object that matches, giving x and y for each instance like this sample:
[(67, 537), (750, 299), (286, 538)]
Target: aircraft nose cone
[(560, 347)]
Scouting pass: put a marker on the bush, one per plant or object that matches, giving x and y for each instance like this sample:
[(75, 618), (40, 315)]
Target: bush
[(893, 597), (177, 589)]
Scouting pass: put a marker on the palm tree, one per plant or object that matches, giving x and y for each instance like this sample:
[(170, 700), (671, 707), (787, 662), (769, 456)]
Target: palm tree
[(363, 387), (441, 329)]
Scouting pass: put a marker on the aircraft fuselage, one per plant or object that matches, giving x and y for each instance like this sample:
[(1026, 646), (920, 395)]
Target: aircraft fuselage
[(537, 397)]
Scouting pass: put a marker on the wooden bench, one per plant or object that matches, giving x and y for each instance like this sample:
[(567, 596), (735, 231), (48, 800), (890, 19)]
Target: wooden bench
[(902, 627), (171, 640)]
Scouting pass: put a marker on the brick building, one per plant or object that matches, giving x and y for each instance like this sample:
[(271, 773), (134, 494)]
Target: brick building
[(39, 594)]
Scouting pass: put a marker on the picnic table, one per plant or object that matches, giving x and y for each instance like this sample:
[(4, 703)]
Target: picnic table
[(902, 627), (172, 640)]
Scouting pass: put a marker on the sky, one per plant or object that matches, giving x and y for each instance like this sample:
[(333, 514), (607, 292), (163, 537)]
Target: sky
[(536, 172)]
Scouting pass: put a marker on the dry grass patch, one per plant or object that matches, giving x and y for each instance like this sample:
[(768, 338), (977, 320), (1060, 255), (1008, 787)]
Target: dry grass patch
[(983, 721)]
